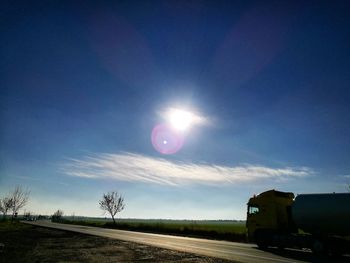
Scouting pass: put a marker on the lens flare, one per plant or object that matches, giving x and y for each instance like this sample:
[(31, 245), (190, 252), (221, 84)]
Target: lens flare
[(166, 140)]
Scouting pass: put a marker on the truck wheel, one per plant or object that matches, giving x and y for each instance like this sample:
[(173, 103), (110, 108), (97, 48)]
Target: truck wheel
[(318, 247), (261, 240), (281, 247), (336, 253), (261, 245)]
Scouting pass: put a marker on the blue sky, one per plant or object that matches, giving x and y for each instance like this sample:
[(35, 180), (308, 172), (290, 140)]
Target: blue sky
[(83, 85)]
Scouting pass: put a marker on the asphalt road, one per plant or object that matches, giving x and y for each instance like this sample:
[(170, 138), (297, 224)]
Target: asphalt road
[(238, 252)]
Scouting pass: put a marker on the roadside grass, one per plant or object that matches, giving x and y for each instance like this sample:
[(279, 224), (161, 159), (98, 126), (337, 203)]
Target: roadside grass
[(21, 242), (212, 229), (7, 225), (16, 241)]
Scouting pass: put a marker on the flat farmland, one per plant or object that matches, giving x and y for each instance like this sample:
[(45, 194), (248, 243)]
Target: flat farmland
[(215, 229)]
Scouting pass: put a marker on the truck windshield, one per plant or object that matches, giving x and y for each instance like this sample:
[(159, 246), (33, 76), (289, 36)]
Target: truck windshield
[(253, 209)]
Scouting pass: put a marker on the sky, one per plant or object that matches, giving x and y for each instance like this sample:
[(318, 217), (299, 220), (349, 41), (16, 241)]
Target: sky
[(89, 90)]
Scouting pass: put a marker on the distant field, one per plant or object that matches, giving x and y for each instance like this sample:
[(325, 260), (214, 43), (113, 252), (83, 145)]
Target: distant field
[(216, 229)]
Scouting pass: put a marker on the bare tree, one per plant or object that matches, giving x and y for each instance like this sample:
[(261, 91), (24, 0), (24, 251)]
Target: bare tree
[(112, 202), (19, 197), (57, 216), (5, 205)]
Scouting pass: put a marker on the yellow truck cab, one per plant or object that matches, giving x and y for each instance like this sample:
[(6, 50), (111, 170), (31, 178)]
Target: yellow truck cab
[(269, 213)]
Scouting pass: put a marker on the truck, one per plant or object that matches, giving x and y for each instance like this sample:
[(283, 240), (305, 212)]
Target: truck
[(320, 222)]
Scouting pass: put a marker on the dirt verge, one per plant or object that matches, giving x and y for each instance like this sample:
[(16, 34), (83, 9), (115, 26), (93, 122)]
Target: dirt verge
[(26, 243)]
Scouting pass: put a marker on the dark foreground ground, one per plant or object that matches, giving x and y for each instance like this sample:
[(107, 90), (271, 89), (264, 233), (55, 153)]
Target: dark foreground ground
[(25, 243)]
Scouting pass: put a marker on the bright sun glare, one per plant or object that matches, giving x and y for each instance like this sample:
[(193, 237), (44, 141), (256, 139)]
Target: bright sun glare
[(180, 119)]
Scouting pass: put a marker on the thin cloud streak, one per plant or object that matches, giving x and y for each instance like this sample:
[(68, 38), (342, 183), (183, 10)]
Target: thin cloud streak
[(139, 168), (197, 118)]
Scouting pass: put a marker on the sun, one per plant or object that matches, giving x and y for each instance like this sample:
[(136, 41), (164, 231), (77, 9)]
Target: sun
[(180, 119)]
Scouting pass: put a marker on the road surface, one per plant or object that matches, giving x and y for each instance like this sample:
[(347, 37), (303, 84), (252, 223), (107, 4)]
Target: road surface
[(239, 252)]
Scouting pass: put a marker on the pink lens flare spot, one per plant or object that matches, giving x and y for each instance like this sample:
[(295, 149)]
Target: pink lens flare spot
[(166, 140)]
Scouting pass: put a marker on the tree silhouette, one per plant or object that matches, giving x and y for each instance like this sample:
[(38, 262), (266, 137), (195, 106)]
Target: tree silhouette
[(19, 198), (5, 205), (57, 216), (112, 202)]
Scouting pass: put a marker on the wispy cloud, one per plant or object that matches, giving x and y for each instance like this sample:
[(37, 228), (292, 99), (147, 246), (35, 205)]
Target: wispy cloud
[(139, 168), (174, 114), (30, 178)]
